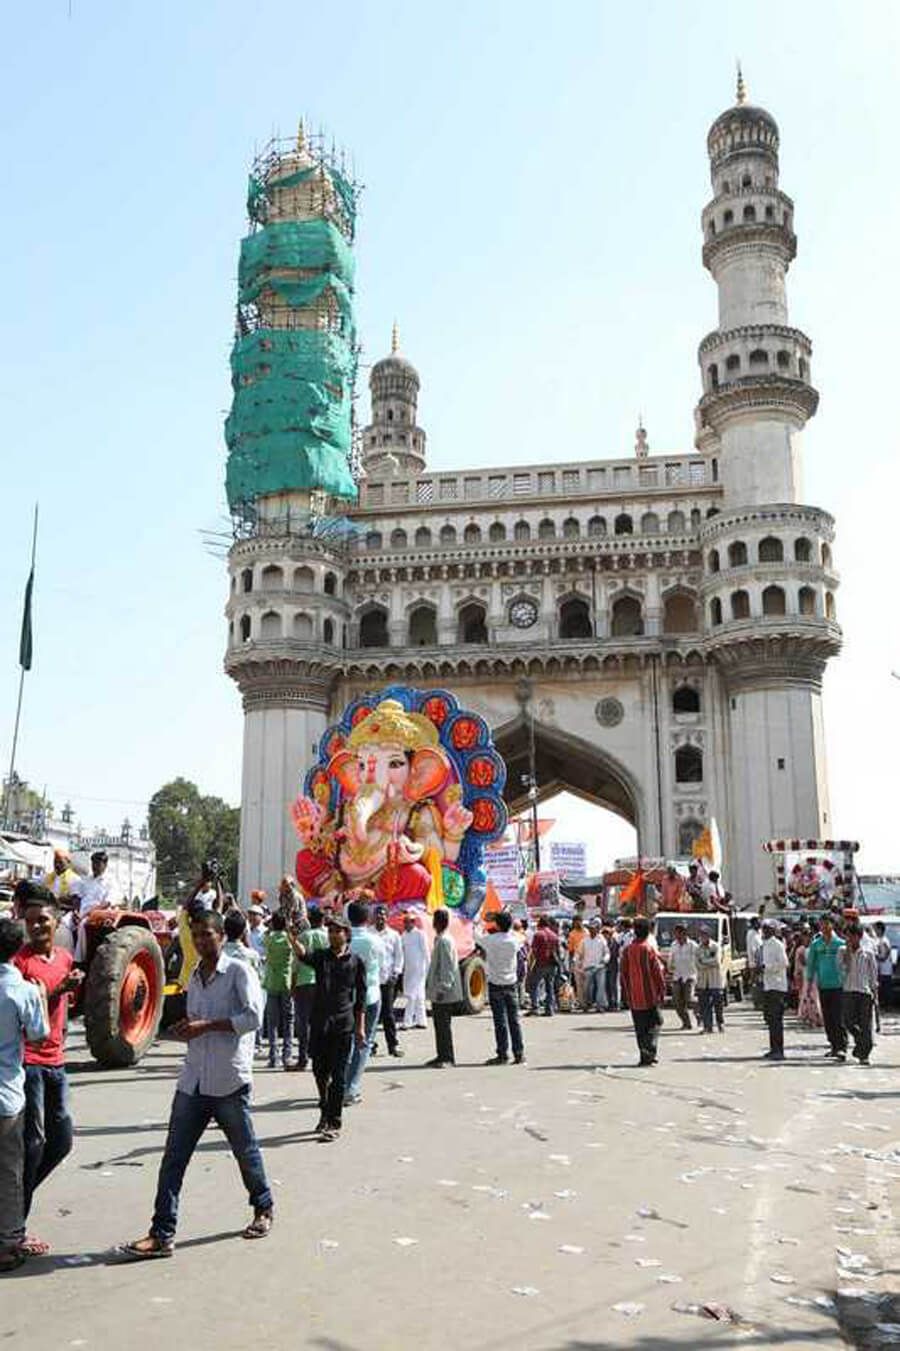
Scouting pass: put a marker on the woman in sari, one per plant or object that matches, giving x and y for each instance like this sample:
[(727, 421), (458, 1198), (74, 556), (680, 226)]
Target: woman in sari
[(809, 1010)]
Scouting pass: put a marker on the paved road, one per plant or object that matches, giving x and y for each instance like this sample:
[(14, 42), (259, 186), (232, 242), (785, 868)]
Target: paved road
[(560, 1206)]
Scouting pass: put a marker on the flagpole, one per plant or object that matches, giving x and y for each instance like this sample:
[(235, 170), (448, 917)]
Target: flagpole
[(15, 740)]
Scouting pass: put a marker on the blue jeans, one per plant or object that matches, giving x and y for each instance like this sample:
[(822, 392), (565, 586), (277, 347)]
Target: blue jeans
[(595, 988), (48, 1125), (191, 1114), (504, 1001), (547, 975), (360, 1056), (280, 1014)]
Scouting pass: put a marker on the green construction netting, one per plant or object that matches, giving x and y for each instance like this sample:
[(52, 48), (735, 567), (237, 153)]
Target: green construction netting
[(258, 193), (309, 244), (289, 425)]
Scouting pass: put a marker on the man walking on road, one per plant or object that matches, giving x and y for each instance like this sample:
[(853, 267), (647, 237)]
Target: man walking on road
[(710, 981), (591, 962), (773, 957), (224, 1009), (314, 939), (337, 1018), (391, 969), (544, 966), (501, 953), (859, 968), (823, 968), (367, 947), (683, 966), (644, 988)]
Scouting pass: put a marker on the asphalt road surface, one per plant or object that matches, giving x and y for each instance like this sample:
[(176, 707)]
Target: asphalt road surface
[(577, 1202)]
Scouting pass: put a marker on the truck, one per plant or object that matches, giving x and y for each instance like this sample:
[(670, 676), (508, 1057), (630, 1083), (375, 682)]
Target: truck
[(733, 957)]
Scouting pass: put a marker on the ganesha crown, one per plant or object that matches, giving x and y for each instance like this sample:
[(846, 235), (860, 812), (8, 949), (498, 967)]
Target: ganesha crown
[(389, 724)]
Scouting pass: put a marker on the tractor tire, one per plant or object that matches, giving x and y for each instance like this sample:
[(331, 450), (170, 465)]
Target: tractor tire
[(123, 997), (473, 974)]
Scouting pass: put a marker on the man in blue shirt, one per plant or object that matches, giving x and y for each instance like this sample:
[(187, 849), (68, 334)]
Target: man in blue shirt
[(224, 1010), (23, 1016), (367, 946)]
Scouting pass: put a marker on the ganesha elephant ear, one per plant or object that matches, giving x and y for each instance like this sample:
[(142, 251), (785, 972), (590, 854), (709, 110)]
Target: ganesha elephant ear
[(428, 774), (345, 768)]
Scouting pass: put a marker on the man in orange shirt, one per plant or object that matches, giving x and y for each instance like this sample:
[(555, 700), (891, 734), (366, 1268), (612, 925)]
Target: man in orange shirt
[(672, 889), (577, 935)]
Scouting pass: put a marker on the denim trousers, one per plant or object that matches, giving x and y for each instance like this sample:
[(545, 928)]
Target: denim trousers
[(504, 1001), (857, 1008), (191, 1114), (280, 1014), (546, 974), (48, 1124), (359, 1058), (711, 1002), (595, 988), (12, 1163)]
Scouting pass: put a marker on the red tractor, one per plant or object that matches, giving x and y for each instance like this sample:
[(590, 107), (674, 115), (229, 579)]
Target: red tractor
[(124, 990)]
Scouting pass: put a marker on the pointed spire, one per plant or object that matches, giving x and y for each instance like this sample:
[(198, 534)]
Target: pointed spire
[(741, 96), (395, 339), (641, 446), (301, 136)]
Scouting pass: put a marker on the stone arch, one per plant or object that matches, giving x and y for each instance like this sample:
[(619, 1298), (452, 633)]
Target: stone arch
[(649, 523), (685, 699), (398, 539), (830, 607), (246, 628), (740, 604), (373, 541), (571, 528), (247, 580), (715, 612), (737, 554), (826, 555), (679, 612), (272, 578), (771, 550), (547, 529), (575, 618), (806, 600), (497, 532), (521, 532), (302, 627), (330, 584), (373, 626), (448, 535), (713, 560), (626, 616), (304, 579), (676, 524), (422, 621), (624, 525), (472, 621), (328, 631), (773, 601), (423, 537), (270, 625), (596, 527), (688, 764), (803, 550), (472, 534)]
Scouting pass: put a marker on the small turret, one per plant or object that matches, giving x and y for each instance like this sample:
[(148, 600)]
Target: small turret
[(393, 443)]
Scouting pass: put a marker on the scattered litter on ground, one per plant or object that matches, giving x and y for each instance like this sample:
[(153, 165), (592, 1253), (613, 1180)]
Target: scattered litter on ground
[(782, 1278), (571, 1248), (405, 1158), (786, 1239), (326, 1244), (560, 1158), (720, 1313), (566, 1194), (538, 1215), (447, 1182), (535, 1134), (161, 1299), (635, 1238), (647, 1262), (405, 1242), (525, 1290), (629, 1309), (799, 1301), (668, 1278)]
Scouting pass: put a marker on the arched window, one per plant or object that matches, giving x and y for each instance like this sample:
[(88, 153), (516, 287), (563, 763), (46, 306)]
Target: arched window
[(728, 217), (472, 624), (686, 700), (713, 560), (749, 212), (272, 578), (677, 524), (712, 373), (758, 357), (373, 630), (649, 523), (270, 625), (575, 619), (696, 518), (546, 529), (596, 526), (472, 534), (771, 550), (713, 511), (497, 532), (571, 528), (423, 626), (784, 361), (770, 212), (423, 537), (773, 601), (715, 611), (679, 613), (733, 363), (740, 605), (304, 579), (688, 765), (398, 539), (830, 608), (688, 832), (806, 600), (522, 532), (245, 628), (230, 632), (373, 541), (804, 369), (448, 535), (624, 524), (737, 554), (247, 580), (330, 584), (826, 555), (627, 619), (303, 628), (802, 551), (746, 181), (328, 631)]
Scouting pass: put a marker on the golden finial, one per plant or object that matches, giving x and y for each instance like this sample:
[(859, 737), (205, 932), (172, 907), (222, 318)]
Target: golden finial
[(301, 136), (741, 87), (395, 339)]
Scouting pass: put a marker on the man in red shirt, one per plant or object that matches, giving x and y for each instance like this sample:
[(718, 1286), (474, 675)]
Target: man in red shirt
[(644, 984), (544, 965), (48, 1122)]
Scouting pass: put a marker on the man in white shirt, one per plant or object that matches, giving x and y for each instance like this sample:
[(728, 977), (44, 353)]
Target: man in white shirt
[(391, 970), (774, 961), (501, 954), (415, 968), (592, 960), (683, 968), (754, 970), (94, 893)]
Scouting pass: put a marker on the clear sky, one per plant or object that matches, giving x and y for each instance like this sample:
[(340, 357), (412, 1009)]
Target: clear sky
[(534, 178)]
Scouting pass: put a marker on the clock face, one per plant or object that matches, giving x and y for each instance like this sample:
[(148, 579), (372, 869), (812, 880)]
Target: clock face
[(523, 613)]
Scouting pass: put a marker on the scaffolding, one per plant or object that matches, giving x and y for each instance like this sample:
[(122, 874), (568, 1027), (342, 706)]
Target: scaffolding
[(295, 356)]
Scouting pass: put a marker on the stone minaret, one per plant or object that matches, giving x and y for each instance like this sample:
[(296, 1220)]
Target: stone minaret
[(769, 582), (393, 443)]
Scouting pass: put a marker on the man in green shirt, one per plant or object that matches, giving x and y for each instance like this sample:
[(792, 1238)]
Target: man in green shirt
[(277, 982), (823, 967), (313, 939)]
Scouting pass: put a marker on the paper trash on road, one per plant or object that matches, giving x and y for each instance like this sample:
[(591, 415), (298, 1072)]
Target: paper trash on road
[(405, 1242), (629, 1309), (571, 1248), (525, 1290), (647, 1262)]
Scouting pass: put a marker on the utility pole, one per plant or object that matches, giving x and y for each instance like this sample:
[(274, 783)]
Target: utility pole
[(525, 700)]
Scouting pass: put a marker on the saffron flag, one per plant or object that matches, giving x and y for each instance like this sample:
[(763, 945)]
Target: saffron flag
[(634, 890), (26, 640)]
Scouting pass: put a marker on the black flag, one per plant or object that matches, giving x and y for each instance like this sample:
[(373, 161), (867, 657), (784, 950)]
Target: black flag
[(26, 641)]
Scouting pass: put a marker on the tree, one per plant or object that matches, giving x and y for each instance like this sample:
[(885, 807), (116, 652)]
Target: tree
[(188, 828)]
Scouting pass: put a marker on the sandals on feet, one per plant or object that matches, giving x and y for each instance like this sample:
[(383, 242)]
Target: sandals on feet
[(260, 1225), (33, 1247), (146, 1249)]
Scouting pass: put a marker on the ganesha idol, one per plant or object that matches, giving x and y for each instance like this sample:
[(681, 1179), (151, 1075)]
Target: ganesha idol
[(384, 810)]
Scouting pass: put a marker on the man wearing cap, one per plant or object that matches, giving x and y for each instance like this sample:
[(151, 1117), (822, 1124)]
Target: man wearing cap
[(391, 969), (338, 1018), (94, 892), (415, 967), (774, 962)]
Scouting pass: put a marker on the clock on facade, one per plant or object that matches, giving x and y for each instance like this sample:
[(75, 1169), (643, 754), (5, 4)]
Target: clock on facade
[(523, 613)]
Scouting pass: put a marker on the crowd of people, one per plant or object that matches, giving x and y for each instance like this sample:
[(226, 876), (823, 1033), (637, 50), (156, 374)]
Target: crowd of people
[(308, 986)]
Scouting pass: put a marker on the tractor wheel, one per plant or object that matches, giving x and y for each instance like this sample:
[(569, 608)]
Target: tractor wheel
[(123, 998), (474, 983)]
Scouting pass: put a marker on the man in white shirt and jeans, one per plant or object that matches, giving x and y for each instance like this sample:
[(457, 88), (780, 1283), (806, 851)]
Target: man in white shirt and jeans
[(501, 950), (773, 958), (592, 960), (683, 966)]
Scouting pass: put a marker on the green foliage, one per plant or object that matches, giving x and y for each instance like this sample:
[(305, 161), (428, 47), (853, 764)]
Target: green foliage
[(188, 828)]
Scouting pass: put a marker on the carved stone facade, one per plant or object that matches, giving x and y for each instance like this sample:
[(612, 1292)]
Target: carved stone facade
[(674, 613)]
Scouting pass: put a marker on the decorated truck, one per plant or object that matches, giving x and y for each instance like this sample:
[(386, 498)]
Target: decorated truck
[(813, 875), (406, 793)]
